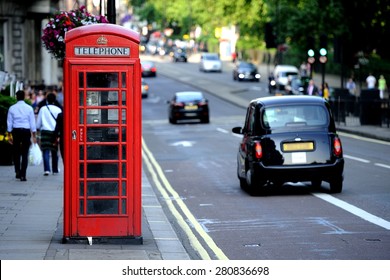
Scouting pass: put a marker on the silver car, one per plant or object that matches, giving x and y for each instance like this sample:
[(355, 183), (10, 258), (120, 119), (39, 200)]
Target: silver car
[(210, 62)]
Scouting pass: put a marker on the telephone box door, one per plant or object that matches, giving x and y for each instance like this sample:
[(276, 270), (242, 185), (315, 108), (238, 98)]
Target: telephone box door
[(101, 151)]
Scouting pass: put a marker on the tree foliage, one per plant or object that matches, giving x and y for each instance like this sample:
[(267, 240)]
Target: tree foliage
[(360, 26)]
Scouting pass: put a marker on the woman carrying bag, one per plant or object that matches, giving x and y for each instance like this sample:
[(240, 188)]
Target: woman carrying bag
[(46, 124)]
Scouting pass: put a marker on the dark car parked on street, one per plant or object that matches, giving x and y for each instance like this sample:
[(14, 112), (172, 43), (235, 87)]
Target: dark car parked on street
[(246, 71), (188, 105), (289, 139)]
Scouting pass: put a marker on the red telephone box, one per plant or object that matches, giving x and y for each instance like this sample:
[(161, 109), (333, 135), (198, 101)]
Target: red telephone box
[(102, 134)]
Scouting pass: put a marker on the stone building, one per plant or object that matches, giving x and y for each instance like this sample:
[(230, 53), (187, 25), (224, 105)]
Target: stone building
[(22, 56)]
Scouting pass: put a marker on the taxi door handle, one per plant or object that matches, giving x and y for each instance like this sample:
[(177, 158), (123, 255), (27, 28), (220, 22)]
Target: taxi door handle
[(74, 135)]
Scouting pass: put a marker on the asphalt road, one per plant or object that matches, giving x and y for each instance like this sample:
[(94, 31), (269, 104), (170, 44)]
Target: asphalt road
[(193, 167)]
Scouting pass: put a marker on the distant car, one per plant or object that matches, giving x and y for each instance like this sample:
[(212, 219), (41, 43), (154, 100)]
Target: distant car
[(145, 88), (246, 71), (179, 55), (210, 62), (148, 68), (280, 77), (289, 139), (187, 105)]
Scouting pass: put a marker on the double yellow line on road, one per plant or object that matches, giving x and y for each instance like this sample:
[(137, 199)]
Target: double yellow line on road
[(171, 196)]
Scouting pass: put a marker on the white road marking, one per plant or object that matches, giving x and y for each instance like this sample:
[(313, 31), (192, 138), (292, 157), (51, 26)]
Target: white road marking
[(237, 135), (382, 165), (357, 159), (354, 210), (183, 143), (177, 206), (222, 130), (226, 132)]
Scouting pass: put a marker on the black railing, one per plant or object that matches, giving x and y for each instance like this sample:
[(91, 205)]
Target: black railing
[(366, 109)]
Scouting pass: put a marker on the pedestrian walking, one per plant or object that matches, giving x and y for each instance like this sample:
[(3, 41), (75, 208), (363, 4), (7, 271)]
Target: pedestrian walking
[(39, 97), (234, 57), (21, 128), (351, 86), (60, 94), (43, 102), (46, 124), (303, 69), (382, 86), (325, 91), (371, 81), (312, 89)]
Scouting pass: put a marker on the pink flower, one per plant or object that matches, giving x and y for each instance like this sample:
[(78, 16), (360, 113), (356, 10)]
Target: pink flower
[(60, 23)]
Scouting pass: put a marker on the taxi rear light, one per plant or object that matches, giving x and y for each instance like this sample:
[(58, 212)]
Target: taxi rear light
[(258, 150), (337, 148), (178, 104)]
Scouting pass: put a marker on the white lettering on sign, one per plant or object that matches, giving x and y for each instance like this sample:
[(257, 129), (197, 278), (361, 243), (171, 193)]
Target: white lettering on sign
[(102, 51)]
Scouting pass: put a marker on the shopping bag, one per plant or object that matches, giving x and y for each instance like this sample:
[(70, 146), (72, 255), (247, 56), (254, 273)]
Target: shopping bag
[(35, 155)]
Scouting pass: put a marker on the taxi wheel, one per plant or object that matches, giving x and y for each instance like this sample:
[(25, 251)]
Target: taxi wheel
[(255, 185), (336, 185)]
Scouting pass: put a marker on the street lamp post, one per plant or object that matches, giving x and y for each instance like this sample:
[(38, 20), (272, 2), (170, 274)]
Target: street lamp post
[(111, 11), (323, 55)]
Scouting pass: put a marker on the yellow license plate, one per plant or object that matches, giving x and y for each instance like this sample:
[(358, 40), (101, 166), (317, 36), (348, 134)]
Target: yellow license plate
[(298, 146), (192, 107)]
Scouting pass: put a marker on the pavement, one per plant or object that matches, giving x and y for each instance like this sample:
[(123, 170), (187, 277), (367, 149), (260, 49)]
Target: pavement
[(31, 224), (31, 214)]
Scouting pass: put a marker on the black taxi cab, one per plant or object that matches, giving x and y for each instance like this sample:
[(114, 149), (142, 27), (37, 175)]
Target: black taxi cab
[(289, 139)]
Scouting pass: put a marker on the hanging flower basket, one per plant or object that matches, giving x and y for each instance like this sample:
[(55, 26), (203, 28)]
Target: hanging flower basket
[(53, 37)]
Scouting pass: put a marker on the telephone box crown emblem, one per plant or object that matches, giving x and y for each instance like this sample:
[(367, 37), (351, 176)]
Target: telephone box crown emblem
[(102, 40)]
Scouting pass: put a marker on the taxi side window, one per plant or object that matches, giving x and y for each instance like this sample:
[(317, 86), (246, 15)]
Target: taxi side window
[(250, 121)]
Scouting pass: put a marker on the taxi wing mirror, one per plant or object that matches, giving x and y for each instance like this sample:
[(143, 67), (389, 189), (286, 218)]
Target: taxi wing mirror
[(237, 130)]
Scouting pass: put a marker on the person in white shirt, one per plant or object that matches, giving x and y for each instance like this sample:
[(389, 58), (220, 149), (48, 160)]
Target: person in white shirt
[(21, 128), (371, 81), (46, 124)]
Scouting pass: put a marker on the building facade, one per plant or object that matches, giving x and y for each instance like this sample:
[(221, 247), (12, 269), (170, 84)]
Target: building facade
[(22, 56)]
